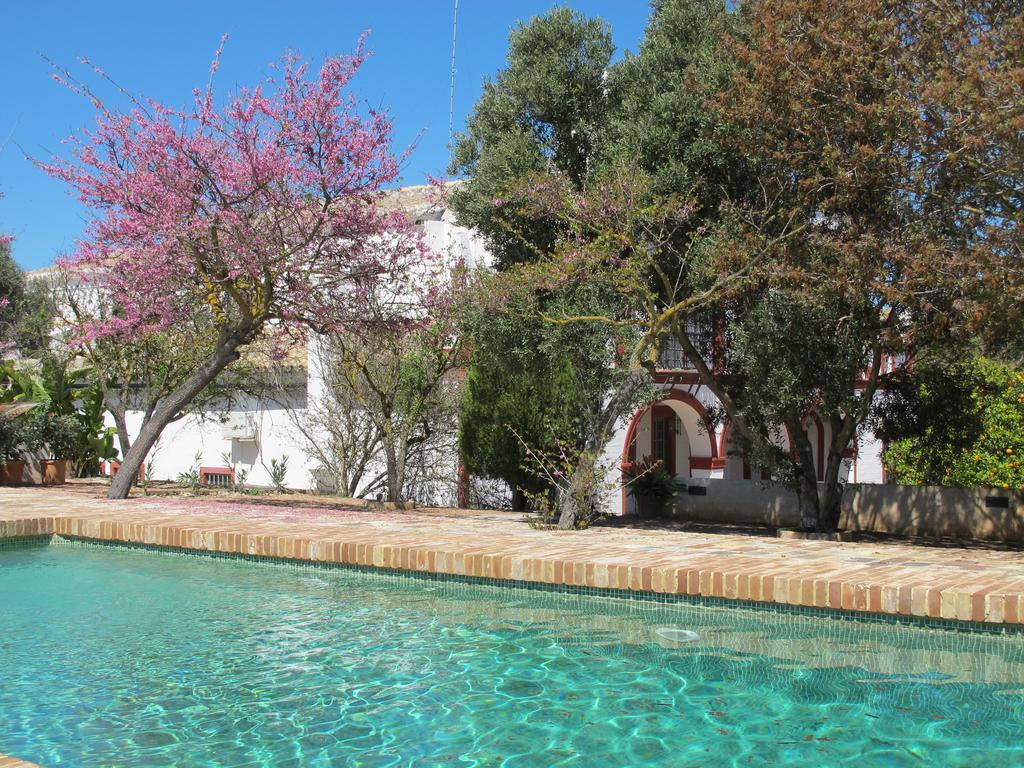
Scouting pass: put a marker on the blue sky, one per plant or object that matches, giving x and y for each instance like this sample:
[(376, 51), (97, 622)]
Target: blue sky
[(163, 50)]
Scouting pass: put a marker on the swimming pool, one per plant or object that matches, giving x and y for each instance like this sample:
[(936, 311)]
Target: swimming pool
[(119, 657)]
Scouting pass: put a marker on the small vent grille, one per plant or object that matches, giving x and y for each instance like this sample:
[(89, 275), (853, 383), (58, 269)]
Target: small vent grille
[(217, 477)]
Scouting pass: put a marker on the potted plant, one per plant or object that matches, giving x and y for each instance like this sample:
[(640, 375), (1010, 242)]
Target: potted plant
[(653, 488), (10, 451), (52, 438)]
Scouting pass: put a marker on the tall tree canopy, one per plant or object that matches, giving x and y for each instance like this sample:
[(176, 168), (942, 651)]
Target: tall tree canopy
[(816, 213), (876, 248), (548, 109), (661, 123)]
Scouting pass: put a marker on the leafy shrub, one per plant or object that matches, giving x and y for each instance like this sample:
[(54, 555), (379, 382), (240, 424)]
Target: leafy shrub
[(964, 427), (10, 440), (54, 435), (279, 473), (652, 481), (192, 478)]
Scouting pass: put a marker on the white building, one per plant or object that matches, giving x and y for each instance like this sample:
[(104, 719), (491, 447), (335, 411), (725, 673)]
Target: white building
[(675, 430), (253, 434)]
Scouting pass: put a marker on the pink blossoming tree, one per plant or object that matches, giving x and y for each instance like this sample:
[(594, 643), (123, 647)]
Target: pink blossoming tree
[(263, 213)]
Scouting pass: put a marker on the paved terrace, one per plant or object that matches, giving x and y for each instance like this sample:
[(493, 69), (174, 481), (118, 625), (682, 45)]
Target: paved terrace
[(13, 762), (951, 582)]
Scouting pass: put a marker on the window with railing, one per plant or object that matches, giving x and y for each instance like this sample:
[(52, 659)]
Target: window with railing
[(701, 331), (672, 357)]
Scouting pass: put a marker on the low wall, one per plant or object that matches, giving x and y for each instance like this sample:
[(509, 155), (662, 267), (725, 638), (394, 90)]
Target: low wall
[(994, 514)]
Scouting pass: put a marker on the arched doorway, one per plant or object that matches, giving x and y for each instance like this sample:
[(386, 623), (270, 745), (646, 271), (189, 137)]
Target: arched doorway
[(674, 431)]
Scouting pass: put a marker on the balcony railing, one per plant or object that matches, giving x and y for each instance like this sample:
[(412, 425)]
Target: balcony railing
[(702, 336)]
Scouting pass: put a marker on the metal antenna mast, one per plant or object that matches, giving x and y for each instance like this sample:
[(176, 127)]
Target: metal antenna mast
[(451, 93)]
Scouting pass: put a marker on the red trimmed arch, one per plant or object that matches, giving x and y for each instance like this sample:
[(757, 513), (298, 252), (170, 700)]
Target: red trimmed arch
[(629, 447)]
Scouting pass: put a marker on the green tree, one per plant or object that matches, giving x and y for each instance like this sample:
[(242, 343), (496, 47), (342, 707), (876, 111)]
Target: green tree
[(513, 380), (402, 382), (12, 294), (68, 399), (958, 425), (547, 109), (874, 244), (542, 383), (661, 122), (33, 334), (846, 245)]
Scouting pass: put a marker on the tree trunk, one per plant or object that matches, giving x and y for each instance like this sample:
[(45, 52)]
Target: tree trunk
[(168, 409), (568, 510), (518, 498), (576, 502), (832, 492), (121, 424), (807, 502), (395, 462)]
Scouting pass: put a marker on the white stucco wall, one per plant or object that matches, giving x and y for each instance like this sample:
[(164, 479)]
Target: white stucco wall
[(277, 431), (199, 441)]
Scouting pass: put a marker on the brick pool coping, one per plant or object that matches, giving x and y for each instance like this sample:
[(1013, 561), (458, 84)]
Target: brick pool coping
[(958, 584), (13, 762), (966, 585)]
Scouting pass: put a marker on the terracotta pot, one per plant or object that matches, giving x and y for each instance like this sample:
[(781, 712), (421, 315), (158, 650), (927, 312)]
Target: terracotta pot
[(11, 472), (652, 506), (55, 472)]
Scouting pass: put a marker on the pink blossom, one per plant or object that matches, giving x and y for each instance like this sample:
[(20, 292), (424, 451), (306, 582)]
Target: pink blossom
[(265, 208)]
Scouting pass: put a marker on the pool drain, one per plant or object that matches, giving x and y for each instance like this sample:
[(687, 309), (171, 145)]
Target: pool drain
[(675, 635)]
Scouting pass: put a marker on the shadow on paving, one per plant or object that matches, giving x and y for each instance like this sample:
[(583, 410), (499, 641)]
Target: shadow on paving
[(767, 531)]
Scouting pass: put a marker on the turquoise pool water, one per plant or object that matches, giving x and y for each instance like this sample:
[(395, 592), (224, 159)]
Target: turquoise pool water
[(110, 657)]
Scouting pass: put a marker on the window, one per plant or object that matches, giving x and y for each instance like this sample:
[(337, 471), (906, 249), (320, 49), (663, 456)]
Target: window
[(659, 442), (701, 331), (671, 355)]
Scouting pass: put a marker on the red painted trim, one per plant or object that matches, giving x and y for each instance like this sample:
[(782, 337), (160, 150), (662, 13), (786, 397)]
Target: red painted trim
[(629, 446), (629, 458), (629, 450), (702, 412), (667, 415)]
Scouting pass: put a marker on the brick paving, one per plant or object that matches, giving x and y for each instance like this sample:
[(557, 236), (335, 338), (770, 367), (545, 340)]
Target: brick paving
[(955, 583), (13, 762)]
